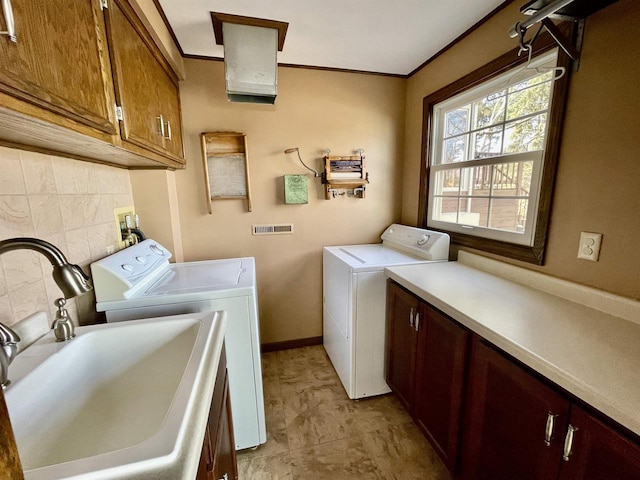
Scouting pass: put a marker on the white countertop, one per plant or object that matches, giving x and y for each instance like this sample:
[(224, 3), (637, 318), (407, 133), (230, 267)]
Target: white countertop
[(590, 353)]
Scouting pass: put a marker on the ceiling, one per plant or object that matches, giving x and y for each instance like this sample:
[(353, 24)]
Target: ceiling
[(366, 35)]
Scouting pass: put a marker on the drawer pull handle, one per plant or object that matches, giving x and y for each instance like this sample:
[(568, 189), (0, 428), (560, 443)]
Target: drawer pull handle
[(160, 120), (7, 11), (548, 431), (568, 443)]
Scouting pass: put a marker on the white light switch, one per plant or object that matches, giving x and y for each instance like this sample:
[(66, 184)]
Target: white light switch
[(589, 246)]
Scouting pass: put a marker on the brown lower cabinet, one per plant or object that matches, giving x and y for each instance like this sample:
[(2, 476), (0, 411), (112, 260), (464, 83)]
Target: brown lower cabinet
[(218, 458), (488, 416), (426, 360)]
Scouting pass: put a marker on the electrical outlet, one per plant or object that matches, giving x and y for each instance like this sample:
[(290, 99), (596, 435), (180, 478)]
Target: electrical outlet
[(119, 215), (589, 248)]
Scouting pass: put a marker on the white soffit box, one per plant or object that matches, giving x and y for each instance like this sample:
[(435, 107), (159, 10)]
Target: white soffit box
[(250, 62), (251, 48)]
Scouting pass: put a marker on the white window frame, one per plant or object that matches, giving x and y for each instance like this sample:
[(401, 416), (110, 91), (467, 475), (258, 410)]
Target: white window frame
[(509, 78)]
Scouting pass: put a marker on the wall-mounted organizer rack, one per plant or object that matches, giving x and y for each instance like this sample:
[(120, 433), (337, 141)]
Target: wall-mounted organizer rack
[(226, 167), (345, 175)]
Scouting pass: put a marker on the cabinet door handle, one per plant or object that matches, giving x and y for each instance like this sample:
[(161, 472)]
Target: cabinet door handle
[(548, 430), (168, 130), (160, 125), (224, 477), (568, 443), (7, 11), (411, 317), (417, 321)]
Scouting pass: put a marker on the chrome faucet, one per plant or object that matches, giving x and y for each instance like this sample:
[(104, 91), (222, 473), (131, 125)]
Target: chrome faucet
[(9, 347), (71, 280)]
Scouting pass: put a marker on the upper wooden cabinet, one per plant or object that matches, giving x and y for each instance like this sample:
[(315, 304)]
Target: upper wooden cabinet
[(59, 61), (72, 63), (146, 87)]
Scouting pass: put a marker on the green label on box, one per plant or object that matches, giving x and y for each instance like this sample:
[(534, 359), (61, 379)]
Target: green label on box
[(296, 190)]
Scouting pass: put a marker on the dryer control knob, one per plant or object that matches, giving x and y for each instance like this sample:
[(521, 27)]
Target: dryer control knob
[(423, 239), (127, 268), (157, 250)]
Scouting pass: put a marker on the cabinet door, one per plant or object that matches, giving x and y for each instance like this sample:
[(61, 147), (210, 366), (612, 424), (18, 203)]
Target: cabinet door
[(206, 458), (145, 86), (60, 61), (508, 414), (169, 97), (402, 308), (134, 70), (598, 452), (225, 466), (443, 347)]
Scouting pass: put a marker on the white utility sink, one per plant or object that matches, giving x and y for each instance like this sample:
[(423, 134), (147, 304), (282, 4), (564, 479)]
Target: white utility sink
[(120, 400)]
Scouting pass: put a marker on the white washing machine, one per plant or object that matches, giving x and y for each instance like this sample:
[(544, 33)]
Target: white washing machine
[(139, 282), (354, 301)]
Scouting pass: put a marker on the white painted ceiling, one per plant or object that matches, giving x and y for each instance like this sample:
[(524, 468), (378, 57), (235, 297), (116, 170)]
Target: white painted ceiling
[(378, 36)]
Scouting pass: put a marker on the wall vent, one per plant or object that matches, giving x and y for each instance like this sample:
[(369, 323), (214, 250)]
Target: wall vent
[(274, 229)]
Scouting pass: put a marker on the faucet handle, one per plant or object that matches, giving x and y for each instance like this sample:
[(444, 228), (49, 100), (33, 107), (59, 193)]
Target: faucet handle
[(63, 328)]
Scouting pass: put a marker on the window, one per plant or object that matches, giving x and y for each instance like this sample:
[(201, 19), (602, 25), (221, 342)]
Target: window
[(490, 148)]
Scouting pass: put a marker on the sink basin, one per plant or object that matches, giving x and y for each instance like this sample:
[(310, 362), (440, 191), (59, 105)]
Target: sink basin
[(119, 401)]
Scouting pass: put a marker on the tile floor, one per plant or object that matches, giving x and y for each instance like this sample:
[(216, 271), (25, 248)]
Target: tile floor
[(315, 432)]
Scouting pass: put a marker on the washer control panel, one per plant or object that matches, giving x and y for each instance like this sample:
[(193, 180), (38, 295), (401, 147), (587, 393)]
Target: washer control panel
[(115, 277), (427, 244)]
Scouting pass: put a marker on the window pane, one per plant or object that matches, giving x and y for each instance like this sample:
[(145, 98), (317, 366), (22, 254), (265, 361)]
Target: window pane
[(525, 135), (475, 181), (531, 81), (529, 100), (488, 143), (513, 179), (447, 182), (509, 214), (474, 211), (456, 121), (445, 209), (489, 110), (455, 149)]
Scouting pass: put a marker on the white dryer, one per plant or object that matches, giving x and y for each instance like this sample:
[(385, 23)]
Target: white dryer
[(139, 282), (354, 302)]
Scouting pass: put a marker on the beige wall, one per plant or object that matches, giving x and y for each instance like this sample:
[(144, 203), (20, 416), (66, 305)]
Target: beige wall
[(598, 179), (314, 110), (65, 202), (156, 199)]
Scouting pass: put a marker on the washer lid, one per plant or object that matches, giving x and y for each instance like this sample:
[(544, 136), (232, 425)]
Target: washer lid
[(204, 276), (377, 254)]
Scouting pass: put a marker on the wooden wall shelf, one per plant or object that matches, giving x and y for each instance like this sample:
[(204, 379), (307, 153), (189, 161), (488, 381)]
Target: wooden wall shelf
[(344, 173)]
